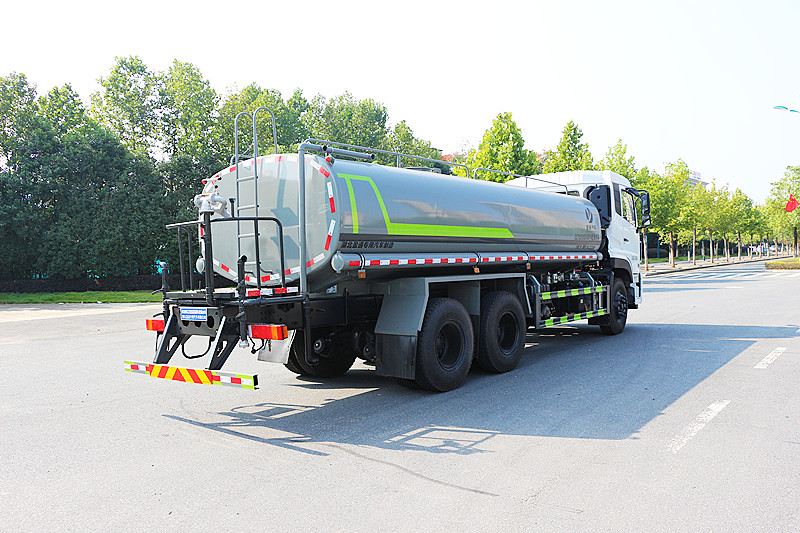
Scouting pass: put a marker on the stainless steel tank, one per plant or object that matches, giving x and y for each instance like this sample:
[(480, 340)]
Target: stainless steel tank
[(373, 210)]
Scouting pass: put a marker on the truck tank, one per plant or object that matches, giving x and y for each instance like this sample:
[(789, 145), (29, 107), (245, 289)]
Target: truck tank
[(356, 209)]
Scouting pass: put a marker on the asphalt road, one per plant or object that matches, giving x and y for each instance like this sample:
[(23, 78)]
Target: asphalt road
[(688, 421)]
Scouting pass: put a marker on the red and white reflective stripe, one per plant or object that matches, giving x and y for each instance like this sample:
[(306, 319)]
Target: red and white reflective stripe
[(565, 256), (320, 168), (504, 258), (313, 261), (330, 196), (427, 261), (330, 235), (252, 293), (225, 268), (138, 367)]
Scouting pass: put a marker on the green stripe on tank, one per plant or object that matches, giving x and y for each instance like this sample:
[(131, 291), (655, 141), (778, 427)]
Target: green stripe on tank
[(418, 230)]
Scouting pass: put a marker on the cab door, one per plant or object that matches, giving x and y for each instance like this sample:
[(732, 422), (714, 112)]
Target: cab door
[(623, 237)]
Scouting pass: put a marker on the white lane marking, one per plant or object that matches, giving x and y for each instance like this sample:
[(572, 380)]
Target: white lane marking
[(795, 275), (682, 438), (768, 360)]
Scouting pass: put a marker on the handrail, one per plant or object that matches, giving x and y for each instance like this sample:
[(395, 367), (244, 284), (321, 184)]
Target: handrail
[(324, 144), (209, 258), (475, 174)]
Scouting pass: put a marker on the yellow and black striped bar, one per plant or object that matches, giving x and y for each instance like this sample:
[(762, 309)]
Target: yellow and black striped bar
[(573, 318), (194, 375), (572, 292)]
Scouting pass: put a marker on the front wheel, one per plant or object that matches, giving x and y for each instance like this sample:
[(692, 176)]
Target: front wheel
[(618, 309)]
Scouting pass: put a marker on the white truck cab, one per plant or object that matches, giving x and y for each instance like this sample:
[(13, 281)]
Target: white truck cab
[(622, 233)]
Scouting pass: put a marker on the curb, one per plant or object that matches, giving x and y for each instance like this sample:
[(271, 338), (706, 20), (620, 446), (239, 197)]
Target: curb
[(698, 267)]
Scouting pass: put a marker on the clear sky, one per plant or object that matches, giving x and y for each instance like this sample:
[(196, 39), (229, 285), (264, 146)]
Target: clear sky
[(672, 79)]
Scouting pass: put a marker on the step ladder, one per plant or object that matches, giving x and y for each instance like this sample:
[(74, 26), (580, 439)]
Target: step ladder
[(249, 209)]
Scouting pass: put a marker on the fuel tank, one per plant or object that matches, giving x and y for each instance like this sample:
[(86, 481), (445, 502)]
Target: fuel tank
[(356, 208)]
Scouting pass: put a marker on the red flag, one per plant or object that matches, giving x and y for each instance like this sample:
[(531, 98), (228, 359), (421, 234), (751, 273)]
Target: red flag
[(792, 204)]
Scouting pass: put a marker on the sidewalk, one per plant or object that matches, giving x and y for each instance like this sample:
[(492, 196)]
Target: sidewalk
[(663, 268)]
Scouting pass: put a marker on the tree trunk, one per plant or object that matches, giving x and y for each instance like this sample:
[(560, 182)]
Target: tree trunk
[(694, 246), (671, 250), (711, 245), (727, 248), (739, 250)]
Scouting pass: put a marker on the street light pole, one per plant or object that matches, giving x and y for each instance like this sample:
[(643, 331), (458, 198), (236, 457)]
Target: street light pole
[(794, 251)]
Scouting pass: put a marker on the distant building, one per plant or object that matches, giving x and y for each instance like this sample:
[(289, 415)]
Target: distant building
[(695, 180)]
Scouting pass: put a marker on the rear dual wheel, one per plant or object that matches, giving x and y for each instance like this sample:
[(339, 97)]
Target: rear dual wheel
[(501, 335)]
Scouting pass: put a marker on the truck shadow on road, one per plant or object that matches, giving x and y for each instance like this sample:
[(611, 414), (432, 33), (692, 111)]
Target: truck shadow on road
[(572, 382)]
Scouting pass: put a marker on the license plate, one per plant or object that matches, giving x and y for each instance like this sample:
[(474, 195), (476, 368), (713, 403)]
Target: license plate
[(194, 313)]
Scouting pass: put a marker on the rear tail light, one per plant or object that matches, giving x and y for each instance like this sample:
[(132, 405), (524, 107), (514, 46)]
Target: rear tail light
[(275, 332), (155, 324)]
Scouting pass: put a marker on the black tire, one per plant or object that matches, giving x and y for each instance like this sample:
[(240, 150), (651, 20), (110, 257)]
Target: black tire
[(618, 312), (293, 365), (444, 346), (333, 365), (501, 334)]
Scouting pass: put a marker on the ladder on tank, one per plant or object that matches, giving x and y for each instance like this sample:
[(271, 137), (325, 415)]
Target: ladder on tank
[(248, 209)]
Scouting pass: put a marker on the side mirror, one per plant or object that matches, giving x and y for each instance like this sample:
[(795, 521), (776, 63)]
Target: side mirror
[(644, 203)]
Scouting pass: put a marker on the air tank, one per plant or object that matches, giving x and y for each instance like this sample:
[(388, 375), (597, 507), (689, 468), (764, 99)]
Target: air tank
[(357, 209)]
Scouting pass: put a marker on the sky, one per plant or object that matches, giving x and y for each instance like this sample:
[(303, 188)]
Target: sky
[(672, 79)]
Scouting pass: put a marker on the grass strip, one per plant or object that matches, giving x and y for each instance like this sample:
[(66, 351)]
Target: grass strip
[(784, 264), (78, 297)]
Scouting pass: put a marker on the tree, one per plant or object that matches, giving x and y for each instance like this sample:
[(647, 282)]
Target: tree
[(503, 149), (400, 138), (18, 111), (571, 153), (347, 120), (131, 105), (617, 160), (668, 194), (189, 111), (693, 213), (739, 213), (776, 218)]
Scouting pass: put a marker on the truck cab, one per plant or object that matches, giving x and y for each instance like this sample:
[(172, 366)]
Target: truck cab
[(616, 201)]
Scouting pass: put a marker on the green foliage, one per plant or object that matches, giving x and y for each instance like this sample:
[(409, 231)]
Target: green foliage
[(503, 148), (189, 111), (401, 139), (347, 120), (778, 221), (571, 153), (617, 160), (75, 201), (18, 111), (131, 104)]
